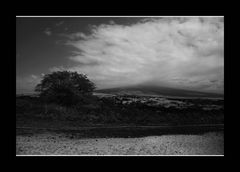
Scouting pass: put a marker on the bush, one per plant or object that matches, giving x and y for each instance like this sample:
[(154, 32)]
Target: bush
[(23, 105), (65, 88)]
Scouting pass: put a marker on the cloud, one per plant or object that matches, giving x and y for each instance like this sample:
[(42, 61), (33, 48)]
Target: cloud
[(176, 52), (48, 31), (59, 23)]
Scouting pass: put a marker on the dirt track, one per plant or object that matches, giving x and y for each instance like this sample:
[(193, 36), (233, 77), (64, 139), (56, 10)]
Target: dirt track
[(64, 144)]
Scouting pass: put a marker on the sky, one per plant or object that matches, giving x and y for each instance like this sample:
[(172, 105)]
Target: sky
[(176, 52)]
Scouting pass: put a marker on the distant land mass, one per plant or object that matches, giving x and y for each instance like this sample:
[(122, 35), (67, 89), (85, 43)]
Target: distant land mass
[(143, 90), (156, 90)]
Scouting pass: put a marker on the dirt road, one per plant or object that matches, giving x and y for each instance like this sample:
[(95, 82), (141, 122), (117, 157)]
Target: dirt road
[(64, 144)]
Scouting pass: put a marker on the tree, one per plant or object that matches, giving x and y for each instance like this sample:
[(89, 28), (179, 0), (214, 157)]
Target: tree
[(65, 87)]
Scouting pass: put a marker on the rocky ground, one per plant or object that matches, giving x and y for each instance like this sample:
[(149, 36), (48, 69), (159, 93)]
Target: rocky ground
[(62, 144)]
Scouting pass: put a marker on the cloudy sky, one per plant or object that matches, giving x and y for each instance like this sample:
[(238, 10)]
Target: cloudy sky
[(177, 52)]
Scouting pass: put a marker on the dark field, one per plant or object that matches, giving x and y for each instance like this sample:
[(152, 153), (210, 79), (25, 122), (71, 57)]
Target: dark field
[(122, 110), (121, 125), (123, 131)]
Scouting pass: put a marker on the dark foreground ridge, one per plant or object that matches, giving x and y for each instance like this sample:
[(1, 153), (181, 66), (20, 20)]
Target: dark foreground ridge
[(123, 131)]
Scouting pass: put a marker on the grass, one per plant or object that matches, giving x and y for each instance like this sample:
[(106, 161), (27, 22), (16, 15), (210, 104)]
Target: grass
[(31, 112), (106, 111)]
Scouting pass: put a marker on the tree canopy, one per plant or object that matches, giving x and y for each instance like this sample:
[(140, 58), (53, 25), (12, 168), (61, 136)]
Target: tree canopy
[(65, 87)]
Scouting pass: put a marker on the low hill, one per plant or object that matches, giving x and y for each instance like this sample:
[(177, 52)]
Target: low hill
[(155, 90)]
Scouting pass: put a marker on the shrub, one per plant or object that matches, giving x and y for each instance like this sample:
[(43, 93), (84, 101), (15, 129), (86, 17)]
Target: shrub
[(65, 88)]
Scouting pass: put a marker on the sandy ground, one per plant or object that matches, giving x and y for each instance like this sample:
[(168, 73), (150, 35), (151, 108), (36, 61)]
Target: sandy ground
[(59, 144)]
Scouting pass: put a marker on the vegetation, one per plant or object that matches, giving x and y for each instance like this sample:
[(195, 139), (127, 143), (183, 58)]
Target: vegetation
[(65, 88), (67, 96), (107, 111)]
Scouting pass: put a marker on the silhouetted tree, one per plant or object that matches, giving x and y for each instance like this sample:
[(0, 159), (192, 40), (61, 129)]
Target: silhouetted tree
[(65, 87)]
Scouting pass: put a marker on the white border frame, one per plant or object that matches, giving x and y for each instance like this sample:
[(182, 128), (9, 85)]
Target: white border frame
[(119, 16)]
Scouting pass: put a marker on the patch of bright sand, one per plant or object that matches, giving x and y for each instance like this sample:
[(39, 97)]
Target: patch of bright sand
[(58, 144)]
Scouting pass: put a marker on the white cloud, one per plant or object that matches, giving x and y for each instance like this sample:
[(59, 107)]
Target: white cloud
[(59, 23), (178, 52), (48, 31)]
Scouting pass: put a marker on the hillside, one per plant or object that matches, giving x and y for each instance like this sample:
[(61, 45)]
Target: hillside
[(154, 90)]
